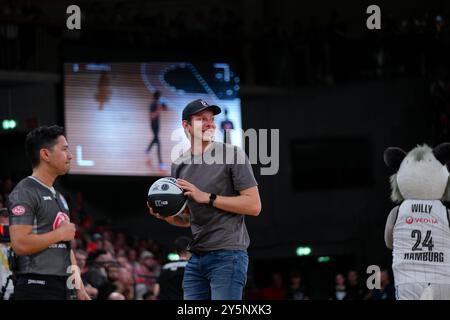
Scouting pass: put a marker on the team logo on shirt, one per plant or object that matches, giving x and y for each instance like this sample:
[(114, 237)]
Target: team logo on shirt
[(60, 217), (18, 210), (411, 220)]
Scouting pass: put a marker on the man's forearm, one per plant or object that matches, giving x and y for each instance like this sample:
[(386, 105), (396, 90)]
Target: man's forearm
[(73, 261), (34, 243), (179, 220), (242, 204)]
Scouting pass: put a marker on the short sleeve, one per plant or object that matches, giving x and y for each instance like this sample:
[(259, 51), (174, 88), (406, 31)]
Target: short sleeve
[(242, 172), (21, 208)]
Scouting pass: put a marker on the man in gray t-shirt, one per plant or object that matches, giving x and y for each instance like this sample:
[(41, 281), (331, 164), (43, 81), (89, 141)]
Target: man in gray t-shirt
[(219, 181)]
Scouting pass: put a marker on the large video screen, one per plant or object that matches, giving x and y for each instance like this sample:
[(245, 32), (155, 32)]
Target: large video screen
[(117, 115)]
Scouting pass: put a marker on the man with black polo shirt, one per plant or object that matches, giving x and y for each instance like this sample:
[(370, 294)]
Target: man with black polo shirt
[(170, 281), (40, 226)]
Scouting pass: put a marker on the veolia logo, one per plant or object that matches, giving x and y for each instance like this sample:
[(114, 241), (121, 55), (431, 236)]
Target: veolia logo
[(409, 220)]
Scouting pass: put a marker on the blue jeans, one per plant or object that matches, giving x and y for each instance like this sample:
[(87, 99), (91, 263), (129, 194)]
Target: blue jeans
[(216, 275)]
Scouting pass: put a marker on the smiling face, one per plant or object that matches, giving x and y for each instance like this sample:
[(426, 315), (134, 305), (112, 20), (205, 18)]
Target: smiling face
[(201, 126)]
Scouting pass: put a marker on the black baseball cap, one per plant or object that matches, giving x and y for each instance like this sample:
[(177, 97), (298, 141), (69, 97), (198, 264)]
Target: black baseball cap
[(198, 105)]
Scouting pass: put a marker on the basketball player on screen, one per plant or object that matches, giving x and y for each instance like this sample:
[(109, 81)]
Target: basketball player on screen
[(155, 109)]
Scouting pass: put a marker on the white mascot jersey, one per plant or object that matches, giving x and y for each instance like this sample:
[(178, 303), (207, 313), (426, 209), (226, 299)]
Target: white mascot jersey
[(421, 248)]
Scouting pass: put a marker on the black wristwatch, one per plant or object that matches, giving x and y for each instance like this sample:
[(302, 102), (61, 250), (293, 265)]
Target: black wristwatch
[(212, 197)]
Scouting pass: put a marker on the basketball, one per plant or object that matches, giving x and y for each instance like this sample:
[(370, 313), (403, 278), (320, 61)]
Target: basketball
[(166, 198)]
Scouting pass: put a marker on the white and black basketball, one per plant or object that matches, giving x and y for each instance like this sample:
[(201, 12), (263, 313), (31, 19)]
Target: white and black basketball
[(166, 198)]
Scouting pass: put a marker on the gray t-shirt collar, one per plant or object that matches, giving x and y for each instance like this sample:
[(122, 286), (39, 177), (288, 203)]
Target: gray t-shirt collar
[(52, 190)]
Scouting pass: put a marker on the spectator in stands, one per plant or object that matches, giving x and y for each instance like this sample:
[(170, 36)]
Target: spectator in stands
[(170, 281), (146, 272), (125, 283), (6, 281), (276, 290), (355, 291), (120, 242), (97, 263), (296, 289), (132, 258), (339, 291), (116, 296), (251, 291), (386, 291), (109, 247), (2, 202), (94, 243), (110, 285), (124, 263), (7, 187), (81, 257)]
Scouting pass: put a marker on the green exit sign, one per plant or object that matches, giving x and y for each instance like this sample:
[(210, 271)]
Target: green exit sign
[(9, 124), (323, 259), (173, 257), (303, 251)]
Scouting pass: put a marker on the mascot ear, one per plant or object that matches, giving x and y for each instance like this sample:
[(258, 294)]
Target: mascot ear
[(393, 158), (442, 152)]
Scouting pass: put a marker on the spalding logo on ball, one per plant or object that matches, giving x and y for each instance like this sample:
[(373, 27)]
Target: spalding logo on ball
[(166, 198)]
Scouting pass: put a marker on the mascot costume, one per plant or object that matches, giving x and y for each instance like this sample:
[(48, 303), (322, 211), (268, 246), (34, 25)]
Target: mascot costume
[(418, 229)]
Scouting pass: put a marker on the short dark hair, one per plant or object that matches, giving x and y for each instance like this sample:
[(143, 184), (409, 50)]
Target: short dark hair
[(39, 138)]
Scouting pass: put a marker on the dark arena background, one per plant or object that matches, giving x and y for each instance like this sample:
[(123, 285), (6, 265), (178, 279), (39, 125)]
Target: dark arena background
[(338, 92)]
